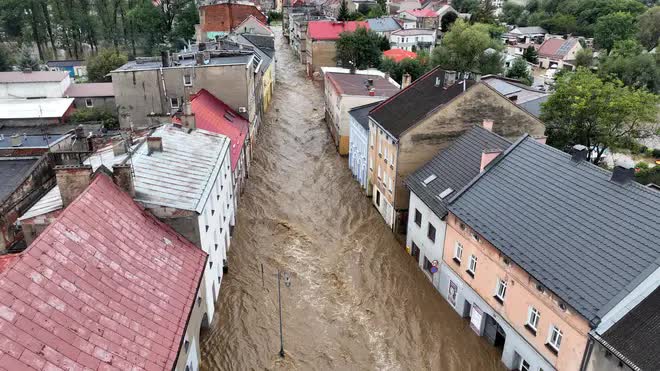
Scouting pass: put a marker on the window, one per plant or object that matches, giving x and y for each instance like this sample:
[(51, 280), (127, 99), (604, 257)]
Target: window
[(501, 291), (390, 184), (554, 340), (386, 150), (210, 265), (371, 163), (475, 236), (431, 234), (207, 228), (216, 247), (186, 345), (199, 301), (418, 218), (89, 103), (524, 365), (533, 317), (458, 252), (472, 266), (187, 80), (212, 212), (174, 102), (427, 264), (380, 173)]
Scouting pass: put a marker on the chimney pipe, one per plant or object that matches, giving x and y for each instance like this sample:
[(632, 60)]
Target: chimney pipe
[(118, 147), (80, 131), (579, 153), (199, 58), (406, 80), (541, 140), (488, 124), (72, 181), (165, 58), (487, 156), (154, 144), (122, 175), (624, 171), (188, 117)]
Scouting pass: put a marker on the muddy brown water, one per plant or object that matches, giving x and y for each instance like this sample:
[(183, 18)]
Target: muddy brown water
[(357, 301)]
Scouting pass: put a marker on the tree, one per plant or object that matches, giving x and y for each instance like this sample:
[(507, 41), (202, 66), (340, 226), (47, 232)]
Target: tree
[(376, 11), (629, 62), (466, 6), (614, 27), (512, 13), (519, 70), (100, 65), (5, 59), (649, 28), (485, 13), (463, 47), (360, 49), (343, 14), (26, 61), (598, 114), (531, 55), (584, 58), (415, 67)]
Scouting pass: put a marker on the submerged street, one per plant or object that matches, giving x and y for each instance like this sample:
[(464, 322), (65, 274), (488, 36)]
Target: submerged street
[(356, 299)]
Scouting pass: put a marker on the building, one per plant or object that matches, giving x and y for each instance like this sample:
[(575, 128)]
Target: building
[(383, 26), (148, 92), (414, 39), (293, 8), (98, 95), (538, 256), (398, 6), (35, 112), (321, 37), (24, 180), (558, 53), (33, 84), (398, 55), (526, 35), (524, 96), (182, 177), (358, 147), (419, 18), (252, 25), (432, 186), (223, 18), (625, 345), (212, 114), (298, 33), (408, 129), (345, 90), (106, 285), (363, 6), (75, 67), (19, 145), (264, 47)]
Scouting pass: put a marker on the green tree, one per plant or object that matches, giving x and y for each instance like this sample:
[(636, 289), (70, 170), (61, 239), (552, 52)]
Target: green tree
[(519, 70), (5, 59), (415, 67), (360, 49), (343, 14), (376, 11), (485, 13), (186, 19), (614, 27), (584, 58), (649, 27), (26, 61), (630, 63), (531, 55), (100, 65), (598, 114), (464, 46), (466, 6), (513, 13)]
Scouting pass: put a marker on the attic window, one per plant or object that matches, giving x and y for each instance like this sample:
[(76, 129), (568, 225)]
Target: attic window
[(428, 180), (446, 193), (229, 118), (230, 114)]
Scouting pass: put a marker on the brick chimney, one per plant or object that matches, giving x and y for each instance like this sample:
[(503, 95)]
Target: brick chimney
[(118, 147), (406, 80), (624, 171), (154, 144), (579, 153), (487, 156), (188, 117), (488, 124), (122, 175), (541, 140), (72, 180)]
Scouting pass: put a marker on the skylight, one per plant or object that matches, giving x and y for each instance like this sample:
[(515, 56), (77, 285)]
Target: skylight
[(446, 193), (428, 180)]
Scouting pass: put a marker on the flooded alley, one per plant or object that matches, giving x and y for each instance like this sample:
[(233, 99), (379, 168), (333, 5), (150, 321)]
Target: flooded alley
[(356, 301)]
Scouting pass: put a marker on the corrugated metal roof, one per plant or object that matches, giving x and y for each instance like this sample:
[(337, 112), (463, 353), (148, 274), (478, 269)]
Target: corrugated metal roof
[(16, 77), (52, 201), (34, 108)]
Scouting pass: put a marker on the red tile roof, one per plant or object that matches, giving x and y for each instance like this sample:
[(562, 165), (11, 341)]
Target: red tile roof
[(34, 76), (92, 89), (214, 115), (330, 30), (219, 17), (556, 48), (6, 260), (421, 13), (105, 286), (399, 54)]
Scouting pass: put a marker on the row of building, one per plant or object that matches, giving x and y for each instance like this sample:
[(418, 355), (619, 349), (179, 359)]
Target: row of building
[(125, 233), (553, 260)]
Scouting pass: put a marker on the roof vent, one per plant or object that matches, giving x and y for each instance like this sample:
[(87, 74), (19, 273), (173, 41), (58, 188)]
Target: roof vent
[(446, 193), (438, 81), (428, 180), (624, 171), (16, 140), (579, 152)]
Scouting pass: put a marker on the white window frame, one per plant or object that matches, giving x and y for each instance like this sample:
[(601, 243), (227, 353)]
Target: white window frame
[(533, 318), (89, 103), (172, 101), (472, 264), (371, 163), (521, 368), (501, 284), (189, 81), (556, 342), (380, 173), (458, 250), (390, 184)]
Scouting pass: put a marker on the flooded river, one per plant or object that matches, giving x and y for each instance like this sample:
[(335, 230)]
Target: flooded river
[(356, 301)]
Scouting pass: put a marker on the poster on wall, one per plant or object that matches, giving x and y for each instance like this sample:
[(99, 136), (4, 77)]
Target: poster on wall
[(453, 289), (475, 318)]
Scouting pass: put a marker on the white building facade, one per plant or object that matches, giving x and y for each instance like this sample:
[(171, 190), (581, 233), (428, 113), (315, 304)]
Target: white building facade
[(358, 154), (33, 84), (413, 40)]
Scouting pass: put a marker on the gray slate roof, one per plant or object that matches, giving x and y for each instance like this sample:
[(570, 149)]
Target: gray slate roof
[(155, 64), (534, 106), (454, 167), (586, 238), (385, 24), (361, 114), (13, 172), (531, 30), (637, 332)]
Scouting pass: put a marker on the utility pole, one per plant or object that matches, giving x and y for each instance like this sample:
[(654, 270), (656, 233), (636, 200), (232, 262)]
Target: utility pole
[(279, 299)]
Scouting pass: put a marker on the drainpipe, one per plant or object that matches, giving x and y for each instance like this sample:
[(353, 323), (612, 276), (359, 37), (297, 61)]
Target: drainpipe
[(588, 349)]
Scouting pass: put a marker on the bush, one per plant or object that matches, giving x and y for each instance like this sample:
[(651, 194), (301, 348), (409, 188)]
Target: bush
[(274, 16), (642, 165), (100, 65), (648, 176), (95, 115), (656, 153)]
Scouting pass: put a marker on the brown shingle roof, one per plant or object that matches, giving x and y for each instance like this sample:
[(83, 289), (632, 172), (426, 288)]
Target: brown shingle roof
[(94, 89), (355, 84)]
